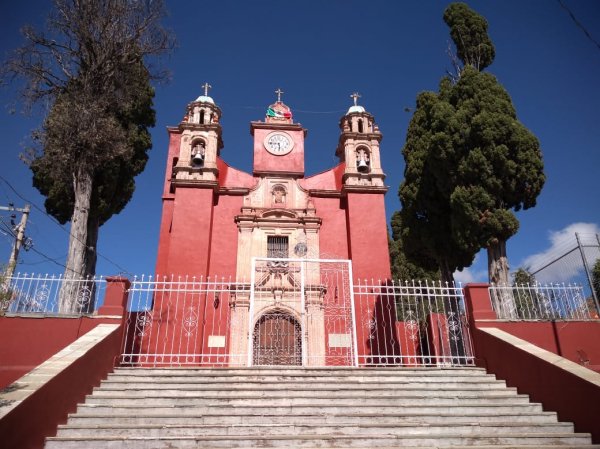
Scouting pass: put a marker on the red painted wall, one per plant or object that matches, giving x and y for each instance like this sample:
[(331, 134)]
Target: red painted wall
[(164, 237), (368, 236), (578, 341), (333, 239), (573, 398), (224, 239), (190, 232), (293, 162), (574, 340), (38, 416), (27, 342)]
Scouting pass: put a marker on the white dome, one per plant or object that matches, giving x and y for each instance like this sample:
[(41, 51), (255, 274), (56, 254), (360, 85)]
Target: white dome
[(205, 99), (355, 108)]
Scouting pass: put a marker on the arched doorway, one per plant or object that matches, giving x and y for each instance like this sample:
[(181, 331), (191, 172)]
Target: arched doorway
[(277, 340)]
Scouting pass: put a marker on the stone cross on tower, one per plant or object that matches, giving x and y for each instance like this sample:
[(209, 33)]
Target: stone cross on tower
[(355, 96), (279, 92), (206, 86)]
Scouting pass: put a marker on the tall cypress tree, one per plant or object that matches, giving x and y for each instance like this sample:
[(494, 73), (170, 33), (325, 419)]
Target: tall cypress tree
[(89, 64), (470, 163)]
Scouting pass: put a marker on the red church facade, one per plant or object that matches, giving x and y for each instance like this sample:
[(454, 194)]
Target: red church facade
[(276, 234), (208, 205)]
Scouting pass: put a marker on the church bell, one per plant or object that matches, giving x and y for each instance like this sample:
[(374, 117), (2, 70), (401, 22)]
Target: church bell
[(198, 158), (362, 166)]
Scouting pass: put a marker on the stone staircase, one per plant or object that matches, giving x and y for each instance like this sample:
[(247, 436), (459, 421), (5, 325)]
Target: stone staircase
[(310, 408)]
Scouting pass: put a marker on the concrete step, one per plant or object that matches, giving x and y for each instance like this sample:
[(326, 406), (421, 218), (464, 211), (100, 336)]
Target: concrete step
[(277, 385), (302, 371), (311, 408), (362, 430), (516, 440), (446, 377), (150, 417), (297, 391), (425, 381), (198, 399)]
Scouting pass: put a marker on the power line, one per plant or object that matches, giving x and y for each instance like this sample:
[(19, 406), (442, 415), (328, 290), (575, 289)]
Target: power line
[(55, 221), (50, 259), (578, 23)]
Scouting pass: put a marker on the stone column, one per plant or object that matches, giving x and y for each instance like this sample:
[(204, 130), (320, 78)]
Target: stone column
[(244, 255), (315, 328), (238, 330)]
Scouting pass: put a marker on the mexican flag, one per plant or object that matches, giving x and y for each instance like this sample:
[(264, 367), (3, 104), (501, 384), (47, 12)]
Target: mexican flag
[(273, 113)]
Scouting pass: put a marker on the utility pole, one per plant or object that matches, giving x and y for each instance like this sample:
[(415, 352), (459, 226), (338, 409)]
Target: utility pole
[(14, 254)]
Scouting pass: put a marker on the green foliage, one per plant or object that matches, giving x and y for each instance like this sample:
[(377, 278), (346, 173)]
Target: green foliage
[(89, 64), (469, 165), (526, 299), (403, 268), (115, 136), (596, 278), (469, 33)]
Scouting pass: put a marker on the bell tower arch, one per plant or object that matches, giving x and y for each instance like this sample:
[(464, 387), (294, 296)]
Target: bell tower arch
[(358, 147)]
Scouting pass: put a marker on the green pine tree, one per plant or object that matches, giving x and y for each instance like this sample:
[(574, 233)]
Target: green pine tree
[(470, 163)]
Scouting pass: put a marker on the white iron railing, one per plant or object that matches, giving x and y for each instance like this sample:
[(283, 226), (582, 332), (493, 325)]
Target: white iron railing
[(412, 324), (207, 322), (176, 321), (541, 302), (49, 294)]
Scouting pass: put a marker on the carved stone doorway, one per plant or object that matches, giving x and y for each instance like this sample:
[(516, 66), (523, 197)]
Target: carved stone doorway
[(277, 340)]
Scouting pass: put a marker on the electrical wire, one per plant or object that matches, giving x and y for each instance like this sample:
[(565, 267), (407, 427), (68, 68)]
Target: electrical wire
[(578, 23), (55, 221)]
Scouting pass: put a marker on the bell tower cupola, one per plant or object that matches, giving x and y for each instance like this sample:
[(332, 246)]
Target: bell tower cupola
[(358, 147), (201, 142)]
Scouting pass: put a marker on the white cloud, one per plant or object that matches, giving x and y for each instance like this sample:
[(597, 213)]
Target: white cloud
[(563, 249), (471, 274)]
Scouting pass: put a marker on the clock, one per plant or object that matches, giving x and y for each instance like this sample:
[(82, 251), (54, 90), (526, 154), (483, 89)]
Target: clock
[(279, 143)]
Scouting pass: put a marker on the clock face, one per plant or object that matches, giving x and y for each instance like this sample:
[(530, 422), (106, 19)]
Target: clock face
[(279, 143)]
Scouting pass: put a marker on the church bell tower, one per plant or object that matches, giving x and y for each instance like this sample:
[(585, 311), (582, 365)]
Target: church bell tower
[(358, 147), (201, 143)]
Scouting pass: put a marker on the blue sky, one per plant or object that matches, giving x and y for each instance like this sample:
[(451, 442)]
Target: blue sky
[(319, 53)]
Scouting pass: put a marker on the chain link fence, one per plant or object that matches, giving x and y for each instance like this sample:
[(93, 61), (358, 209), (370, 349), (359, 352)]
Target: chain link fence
[(574, 263)]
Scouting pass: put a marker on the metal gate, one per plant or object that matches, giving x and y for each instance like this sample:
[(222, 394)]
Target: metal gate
[(301, 312)]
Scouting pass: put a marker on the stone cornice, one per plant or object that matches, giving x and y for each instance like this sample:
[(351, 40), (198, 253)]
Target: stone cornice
[(199, 183), (234, 191), (277, 126), (324, 193), (365, 189), (282, 174)]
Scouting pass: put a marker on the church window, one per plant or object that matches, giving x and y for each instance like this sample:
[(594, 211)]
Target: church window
[(360, 125), (201, 116), (277, 247), (278, 195)]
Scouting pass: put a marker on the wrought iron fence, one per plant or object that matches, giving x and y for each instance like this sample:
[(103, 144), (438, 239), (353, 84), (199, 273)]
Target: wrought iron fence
[(412, 324), (542, 302), (49, 294), (176, 321), (206, 322)]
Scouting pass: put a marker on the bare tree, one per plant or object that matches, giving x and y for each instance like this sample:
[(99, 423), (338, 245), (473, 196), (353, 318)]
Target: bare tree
[(90, 65)]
